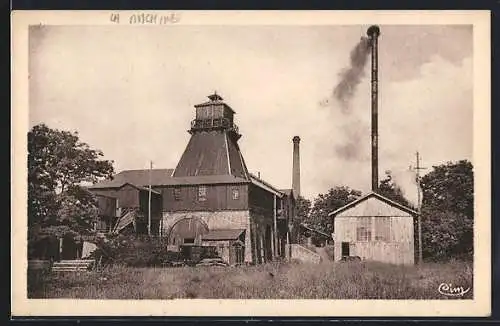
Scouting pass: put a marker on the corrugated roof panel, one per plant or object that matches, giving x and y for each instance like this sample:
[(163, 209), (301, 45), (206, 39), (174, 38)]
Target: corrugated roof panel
[(178, 181), (136, 177), (235, 158), (373, 204), (205, 154)]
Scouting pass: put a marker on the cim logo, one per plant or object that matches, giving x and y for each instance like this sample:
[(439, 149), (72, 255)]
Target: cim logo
[(451, 291)]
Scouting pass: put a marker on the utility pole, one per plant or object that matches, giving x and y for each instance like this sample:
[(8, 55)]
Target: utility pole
[(417, 169), (149, 199)]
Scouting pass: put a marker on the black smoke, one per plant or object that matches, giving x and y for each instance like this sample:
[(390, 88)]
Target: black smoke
[(352, 128), (351, 76)]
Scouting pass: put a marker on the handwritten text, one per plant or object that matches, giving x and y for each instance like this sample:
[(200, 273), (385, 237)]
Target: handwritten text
[(146, 18)]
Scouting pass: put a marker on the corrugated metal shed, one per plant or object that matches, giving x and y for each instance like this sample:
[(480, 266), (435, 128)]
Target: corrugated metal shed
[(374, 228)]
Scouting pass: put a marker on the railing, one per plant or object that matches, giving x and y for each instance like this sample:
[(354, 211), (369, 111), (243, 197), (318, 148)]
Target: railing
[(304, 254), (223, 123)]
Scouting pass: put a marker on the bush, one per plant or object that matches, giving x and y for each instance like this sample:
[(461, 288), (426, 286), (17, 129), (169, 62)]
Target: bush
[(446, 236), (133, 251)]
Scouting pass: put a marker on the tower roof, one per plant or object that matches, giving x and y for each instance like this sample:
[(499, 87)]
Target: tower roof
[(215, 99), (211, 153)]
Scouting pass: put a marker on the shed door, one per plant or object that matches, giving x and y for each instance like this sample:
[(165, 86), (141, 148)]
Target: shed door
[(345, 248)]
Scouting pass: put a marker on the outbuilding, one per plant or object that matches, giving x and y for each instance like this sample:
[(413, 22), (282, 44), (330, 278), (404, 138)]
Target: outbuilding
[(374, 228)]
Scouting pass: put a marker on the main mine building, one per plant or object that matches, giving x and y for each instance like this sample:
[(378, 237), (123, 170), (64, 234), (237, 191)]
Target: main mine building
[(208, 199)]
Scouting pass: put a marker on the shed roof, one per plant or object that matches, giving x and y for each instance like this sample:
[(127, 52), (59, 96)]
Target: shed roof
[(104, 196), (315, 231), (139, 188), (223, 234), (136, 177), (288, 192), (264, 185), (379, 197)]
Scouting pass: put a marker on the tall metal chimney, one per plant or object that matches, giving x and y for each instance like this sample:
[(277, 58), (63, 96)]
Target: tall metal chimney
[(296, 167), (373, 33)]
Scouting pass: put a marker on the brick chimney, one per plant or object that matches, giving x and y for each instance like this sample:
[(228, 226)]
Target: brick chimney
[(296, 167)]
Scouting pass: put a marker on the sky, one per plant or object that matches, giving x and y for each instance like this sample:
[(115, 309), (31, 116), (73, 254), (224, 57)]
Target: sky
[(129, 91)]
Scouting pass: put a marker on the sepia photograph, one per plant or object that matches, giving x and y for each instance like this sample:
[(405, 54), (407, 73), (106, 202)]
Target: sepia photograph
[(197, 157)]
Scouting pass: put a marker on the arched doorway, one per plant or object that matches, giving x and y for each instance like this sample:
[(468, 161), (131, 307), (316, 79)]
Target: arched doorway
[(188, 230)]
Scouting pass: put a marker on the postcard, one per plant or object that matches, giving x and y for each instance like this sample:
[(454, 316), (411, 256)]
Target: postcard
[(251, 163)]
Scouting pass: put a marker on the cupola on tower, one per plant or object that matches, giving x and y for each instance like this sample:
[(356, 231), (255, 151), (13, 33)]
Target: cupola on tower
[(213, 147)]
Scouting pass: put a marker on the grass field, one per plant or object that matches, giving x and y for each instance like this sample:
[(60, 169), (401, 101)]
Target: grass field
[(270, 281)]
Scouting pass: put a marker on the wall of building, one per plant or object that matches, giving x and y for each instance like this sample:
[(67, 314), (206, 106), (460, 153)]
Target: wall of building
[(260, 247), (225, 249), (218, 197), (391, 253), (106, 205), (216, 220), (128, 196), (259, 198), (396, 248), (156, 204), (261, 205)]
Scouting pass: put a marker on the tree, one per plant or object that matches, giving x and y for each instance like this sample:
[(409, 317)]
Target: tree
[(303, 207), (389, 189), (58, 164), (324, 204), (448, 211)]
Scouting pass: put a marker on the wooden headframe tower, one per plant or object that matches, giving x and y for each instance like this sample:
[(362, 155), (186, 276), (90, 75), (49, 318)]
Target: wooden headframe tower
[(213, 148)]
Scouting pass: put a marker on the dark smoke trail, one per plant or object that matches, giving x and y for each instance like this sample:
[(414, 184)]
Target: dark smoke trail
[(352, 148), (352, 128), (350, 77)]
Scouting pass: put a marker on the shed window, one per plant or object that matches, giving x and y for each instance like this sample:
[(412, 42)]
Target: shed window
[(382, 228), (202, 193), (177, 194), (364, 229), (236, 194)]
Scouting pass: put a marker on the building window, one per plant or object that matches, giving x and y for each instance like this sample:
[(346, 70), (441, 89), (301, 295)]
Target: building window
[(177, 194), (188, 240), (202, 193), (364, 229), (382, 228), (236, 194), (363, 234)]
